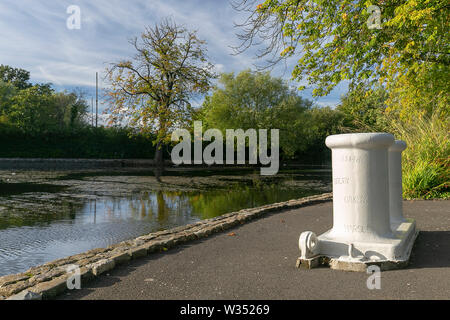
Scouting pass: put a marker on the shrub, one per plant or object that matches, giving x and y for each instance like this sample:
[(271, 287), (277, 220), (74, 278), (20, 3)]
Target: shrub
[(103, 143), (426, 161)]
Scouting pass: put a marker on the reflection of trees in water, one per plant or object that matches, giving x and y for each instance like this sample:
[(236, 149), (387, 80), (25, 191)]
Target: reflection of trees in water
[(212, 204), (178, 207), (163, 209), (181, 207), (173, 204), (161, 206)]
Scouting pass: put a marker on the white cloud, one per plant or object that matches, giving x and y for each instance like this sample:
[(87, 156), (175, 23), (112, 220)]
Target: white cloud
[(34, 35)]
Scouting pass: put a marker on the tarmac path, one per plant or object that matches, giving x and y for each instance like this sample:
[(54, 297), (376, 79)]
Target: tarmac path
[(257, 261)]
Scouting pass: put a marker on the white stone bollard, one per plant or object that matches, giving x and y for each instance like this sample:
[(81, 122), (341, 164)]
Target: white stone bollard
[(395, 183), (363, 203), (360, 185)]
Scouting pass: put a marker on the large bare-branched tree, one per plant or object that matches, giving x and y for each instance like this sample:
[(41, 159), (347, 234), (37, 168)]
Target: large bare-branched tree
[(152, 91)]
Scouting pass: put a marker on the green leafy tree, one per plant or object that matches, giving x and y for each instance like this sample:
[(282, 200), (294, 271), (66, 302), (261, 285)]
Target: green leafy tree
[(364, 108), (31, 109), (154, 88), (40, 109), (255, 100), (70, 109), (322, 122), (7, 92), (334, 41), (17, 77), (404, 47)]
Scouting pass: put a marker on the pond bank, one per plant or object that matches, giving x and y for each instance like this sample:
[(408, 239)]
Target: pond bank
[(47, 215), (49, 280)]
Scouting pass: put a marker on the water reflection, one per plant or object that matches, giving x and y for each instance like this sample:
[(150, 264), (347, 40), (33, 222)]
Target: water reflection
[(27, 240)]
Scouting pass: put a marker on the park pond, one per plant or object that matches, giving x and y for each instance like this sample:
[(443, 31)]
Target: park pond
[(50, 215)]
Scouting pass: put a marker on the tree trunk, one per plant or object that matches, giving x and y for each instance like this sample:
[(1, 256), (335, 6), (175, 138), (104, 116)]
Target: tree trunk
[(159, 161)]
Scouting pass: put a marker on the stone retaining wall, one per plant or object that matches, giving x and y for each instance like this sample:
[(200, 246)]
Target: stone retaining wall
[(49, 280), (74, 164), (68, 164)]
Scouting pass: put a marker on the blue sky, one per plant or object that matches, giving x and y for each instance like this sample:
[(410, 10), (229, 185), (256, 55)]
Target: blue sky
[(34, 36)]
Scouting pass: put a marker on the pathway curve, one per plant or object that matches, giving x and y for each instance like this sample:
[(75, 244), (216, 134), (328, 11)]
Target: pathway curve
[(257, 261)]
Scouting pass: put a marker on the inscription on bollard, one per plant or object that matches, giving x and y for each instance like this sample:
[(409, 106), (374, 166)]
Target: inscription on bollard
[(356, 228), (341, 180), (353, 158), (358, 199)]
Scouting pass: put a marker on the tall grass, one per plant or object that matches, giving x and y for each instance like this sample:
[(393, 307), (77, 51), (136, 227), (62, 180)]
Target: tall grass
[(426, 160)]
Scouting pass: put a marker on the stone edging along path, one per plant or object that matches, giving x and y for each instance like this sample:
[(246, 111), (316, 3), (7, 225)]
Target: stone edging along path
[(50, 280)]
